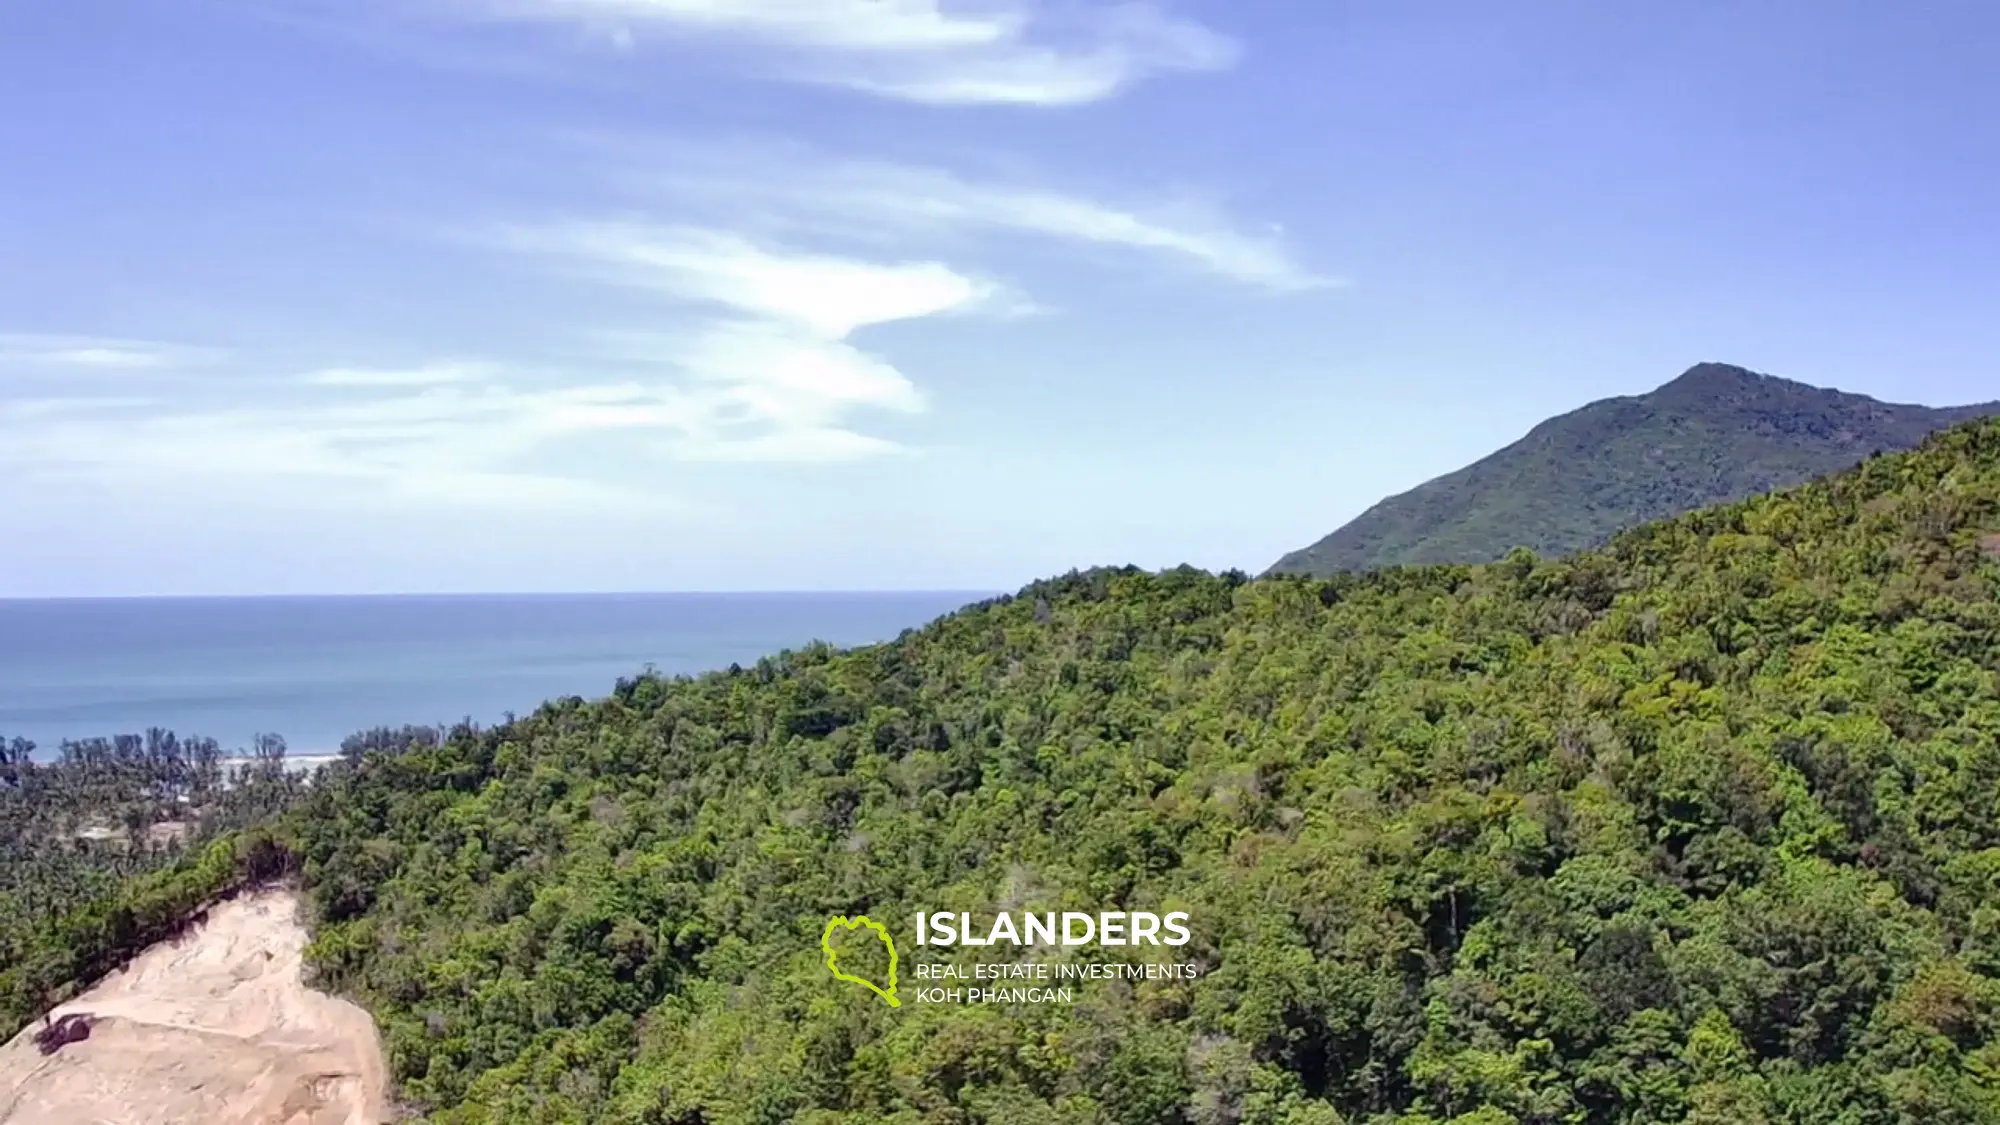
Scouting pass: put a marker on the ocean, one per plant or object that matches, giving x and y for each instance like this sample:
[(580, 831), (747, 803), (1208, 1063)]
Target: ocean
[(317, 669)]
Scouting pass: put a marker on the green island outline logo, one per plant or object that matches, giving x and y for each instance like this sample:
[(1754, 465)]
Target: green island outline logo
[(832, 958)]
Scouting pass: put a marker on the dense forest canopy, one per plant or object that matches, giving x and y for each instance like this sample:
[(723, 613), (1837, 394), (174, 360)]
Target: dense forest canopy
[(1715, 434), (102, 844), (1702, 826), (74, 827)]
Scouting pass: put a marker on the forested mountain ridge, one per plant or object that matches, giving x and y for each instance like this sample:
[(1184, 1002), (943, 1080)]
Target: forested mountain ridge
[(1715, 434), (1702, 826), (1699, 827)]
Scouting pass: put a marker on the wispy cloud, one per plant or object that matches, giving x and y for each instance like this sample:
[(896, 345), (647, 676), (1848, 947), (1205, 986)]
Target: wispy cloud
[(18, 350), (827, 295), (426, 375), (1042, 63), (749, 349), (457, 445), (768, 370), (239, 424), (760, 369), (798, 188), (868, 25), (1019, 52)]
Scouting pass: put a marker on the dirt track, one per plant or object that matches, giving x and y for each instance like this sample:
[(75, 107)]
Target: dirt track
[(215, 1029)]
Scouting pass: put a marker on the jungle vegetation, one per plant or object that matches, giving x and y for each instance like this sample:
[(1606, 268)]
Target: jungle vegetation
[(1701, 826), (98, 839), (1715, 434)]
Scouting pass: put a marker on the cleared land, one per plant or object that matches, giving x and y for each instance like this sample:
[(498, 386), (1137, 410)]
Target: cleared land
[(216, 1028)]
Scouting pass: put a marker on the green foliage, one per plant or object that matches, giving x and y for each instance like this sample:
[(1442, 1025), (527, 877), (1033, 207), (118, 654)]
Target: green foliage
[(1702, 826), (64, 951), (112, 844), (1698, 827), (1715, 434)]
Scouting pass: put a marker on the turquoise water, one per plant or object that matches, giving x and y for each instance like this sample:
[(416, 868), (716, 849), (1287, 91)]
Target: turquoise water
[(314, 670)]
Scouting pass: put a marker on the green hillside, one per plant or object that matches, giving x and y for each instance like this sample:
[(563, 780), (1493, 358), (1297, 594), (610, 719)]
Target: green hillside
[(1718, 433), (1701, 827)]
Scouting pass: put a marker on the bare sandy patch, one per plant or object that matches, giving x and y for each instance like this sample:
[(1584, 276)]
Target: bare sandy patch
[(216, 1028)]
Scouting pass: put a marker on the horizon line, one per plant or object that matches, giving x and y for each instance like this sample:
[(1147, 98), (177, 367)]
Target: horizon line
[(442, 594)]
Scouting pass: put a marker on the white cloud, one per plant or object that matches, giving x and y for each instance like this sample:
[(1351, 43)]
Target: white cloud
[(763, 371), (796, 376), (36, 409), (432, 374), (1019, 52), (865, 25), (104, 357), (827, 295), (805, 444), (92, 352), (450, 446), (768, 371), (794, 187), (1121, 46), (752, 355)]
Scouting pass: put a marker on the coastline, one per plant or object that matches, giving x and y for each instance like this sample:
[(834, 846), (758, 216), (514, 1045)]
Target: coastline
[(320, 669), (294, 763)]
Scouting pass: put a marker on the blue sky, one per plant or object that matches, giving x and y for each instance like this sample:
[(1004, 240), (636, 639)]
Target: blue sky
[(430, 295)]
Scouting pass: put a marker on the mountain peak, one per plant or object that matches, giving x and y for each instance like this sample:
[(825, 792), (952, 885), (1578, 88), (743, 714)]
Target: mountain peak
[(1721, 380), (1717, 432), (1718, 373)]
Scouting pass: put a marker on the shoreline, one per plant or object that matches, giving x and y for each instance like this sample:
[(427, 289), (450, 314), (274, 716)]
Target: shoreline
[(294, 763)]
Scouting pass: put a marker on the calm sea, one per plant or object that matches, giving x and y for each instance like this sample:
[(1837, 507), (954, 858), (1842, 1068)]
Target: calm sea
[(315, 670)]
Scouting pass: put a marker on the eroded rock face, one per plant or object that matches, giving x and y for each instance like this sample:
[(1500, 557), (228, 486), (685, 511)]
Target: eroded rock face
[(215, 1028)]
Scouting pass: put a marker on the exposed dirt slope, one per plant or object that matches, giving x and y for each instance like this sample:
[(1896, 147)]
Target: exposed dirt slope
[(216, 1029)]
